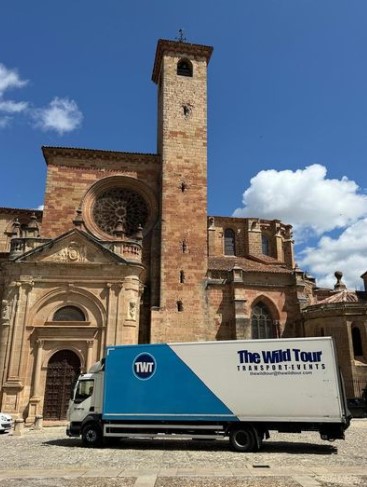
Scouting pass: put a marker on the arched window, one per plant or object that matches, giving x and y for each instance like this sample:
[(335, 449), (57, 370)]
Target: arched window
[(69, 313), (357, 342), (261, 322), (179, 306), (265, 245), (229, 242), (182, 277), (184, 68)]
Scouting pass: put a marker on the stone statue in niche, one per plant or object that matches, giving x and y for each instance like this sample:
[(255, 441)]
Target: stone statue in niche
[(4, 310), (132, 311)]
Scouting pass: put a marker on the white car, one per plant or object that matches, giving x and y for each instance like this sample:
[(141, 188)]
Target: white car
[(6, 422)]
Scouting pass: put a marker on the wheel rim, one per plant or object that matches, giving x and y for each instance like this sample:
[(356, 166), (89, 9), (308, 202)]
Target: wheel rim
[(91, 436)]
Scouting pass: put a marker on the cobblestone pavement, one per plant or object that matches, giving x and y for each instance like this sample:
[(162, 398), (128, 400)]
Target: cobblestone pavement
[(47, 458)]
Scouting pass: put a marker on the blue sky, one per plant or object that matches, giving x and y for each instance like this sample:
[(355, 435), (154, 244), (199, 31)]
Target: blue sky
[(287, 106)]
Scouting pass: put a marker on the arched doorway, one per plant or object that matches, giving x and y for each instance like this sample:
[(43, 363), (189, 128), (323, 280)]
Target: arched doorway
[(62, 370)]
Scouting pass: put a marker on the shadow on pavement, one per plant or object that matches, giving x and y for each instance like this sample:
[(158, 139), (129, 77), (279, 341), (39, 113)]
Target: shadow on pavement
[(215, 445)]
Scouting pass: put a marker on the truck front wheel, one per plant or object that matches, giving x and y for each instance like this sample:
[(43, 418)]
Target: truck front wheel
[(243, 439), (92, 436)]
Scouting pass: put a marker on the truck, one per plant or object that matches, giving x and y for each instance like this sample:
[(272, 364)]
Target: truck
[(238, 390)]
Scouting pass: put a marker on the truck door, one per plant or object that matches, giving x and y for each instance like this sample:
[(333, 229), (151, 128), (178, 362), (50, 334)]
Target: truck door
[(81, 400)]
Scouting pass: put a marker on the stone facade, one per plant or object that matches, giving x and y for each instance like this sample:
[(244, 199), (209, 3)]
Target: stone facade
[(124, 252), (343, 315)]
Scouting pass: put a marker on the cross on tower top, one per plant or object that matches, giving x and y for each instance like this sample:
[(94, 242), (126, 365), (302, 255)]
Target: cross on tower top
[(181, 36)]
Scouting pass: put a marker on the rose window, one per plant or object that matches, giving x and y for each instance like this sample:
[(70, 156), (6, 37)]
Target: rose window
[(116, 207)]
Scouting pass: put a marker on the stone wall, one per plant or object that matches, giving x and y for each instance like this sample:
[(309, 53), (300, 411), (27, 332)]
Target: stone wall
[(182, 139), (72, 172)]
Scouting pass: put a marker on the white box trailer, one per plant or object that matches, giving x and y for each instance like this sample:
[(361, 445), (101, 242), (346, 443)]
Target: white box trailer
[(238, 389)]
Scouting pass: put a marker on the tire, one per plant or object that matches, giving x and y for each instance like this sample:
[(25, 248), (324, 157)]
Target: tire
[(92, 436), (243, 439)]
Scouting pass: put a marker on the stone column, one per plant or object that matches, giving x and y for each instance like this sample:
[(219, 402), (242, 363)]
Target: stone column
[(254, 237), (131, 306), (17, 336), (88, 360), (106, 334), (35, 399), (117, 317), (4, 334), (288, 247), (37, 368), (27, 286), (211, 236), (11, 384), (18, 355), (279, 254), (242, 329)]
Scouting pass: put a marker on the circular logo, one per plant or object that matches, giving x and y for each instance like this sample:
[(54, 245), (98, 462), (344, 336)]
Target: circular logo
[(144, 366)]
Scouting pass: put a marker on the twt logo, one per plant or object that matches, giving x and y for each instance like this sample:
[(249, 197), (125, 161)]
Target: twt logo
[(144, 366)]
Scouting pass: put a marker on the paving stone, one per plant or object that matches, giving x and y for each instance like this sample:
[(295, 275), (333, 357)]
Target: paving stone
[(47, 458)]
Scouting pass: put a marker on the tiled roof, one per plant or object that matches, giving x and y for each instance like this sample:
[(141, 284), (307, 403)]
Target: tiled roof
[(344, 296), (228, 262), (265, 259), (20, 210), (50, 148), (107, 155)]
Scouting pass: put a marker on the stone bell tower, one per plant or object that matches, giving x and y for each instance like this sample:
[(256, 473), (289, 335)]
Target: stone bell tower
[(180, 71)]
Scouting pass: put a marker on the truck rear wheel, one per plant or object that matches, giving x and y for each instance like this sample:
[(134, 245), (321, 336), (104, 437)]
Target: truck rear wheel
[(243, 439), (92, 435)]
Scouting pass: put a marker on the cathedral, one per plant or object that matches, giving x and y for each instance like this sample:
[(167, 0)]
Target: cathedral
[(125, 252)]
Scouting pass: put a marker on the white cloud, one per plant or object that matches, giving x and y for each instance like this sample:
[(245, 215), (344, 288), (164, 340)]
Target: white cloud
[(347, 253), (304, 198), (61, 115), (9, 78), (10, 106), (315, 205)]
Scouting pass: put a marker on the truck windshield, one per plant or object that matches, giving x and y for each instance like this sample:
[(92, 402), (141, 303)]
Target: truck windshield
[(84, 390)]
